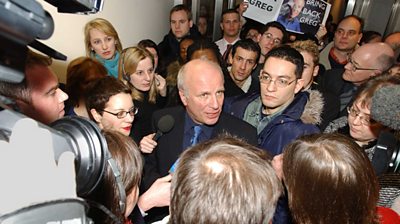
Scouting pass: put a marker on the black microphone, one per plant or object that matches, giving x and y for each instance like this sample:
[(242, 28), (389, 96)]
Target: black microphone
[(164, 125), (385, 106)]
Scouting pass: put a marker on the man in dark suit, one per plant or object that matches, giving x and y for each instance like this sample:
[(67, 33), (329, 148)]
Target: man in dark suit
[(201, 89)]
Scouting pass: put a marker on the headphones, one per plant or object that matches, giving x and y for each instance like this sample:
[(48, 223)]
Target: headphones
[(125, 76), (117, 175)]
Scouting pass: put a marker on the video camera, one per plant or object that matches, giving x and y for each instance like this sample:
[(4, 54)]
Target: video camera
[(22, 22)]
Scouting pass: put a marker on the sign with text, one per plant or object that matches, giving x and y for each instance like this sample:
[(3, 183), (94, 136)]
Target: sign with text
[(314, 13), (300, 16), (263, 11)]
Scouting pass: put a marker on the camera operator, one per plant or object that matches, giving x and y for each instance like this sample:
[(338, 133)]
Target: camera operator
[(38, 96)]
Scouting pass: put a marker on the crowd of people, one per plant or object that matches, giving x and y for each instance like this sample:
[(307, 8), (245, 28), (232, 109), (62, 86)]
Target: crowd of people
[(266, 129)]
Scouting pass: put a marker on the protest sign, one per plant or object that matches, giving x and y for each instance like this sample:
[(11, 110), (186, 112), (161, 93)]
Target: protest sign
[(300, 16), (263, 11)]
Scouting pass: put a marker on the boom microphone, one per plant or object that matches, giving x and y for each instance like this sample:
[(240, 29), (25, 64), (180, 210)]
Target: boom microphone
[(164, 125), (385, 106)]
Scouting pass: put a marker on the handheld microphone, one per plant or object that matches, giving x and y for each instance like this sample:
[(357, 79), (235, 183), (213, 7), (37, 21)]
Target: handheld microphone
[(164, 125), (385, 106)]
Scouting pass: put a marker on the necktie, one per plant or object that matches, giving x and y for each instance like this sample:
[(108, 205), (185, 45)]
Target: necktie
[(195, 138), (226, 53)]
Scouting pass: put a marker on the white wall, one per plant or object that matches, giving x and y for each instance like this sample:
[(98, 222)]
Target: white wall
[(133, 19)]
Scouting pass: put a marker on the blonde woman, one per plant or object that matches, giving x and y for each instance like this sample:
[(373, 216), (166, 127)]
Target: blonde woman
[(102, 43), (149, 89)]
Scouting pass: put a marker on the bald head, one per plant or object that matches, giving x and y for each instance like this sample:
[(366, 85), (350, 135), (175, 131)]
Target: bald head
[(193, 68), (379, 55), (367, 61)]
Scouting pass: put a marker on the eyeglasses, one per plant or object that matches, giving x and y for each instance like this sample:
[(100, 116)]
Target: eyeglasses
[(122, 114), (355, 68), (280, 82), (269, 37), (364, 119)]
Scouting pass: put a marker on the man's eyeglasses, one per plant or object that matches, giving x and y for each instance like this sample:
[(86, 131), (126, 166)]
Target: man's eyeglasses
[(355, 68), (280, 82), (122, 114), (269, 36), (364, 119)]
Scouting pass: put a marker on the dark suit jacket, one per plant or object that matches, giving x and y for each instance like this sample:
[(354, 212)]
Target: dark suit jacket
[(158, 163)]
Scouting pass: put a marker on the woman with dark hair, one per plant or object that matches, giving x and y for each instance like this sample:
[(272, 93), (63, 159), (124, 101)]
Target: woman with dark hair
[(128, 159), (358, 123), (81, 72), (329, 180), (109, 104)]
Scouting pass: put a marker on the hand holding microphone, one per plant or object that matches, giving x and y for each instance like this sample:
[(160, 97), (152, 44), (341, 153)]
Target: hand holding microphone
[(164, 125)]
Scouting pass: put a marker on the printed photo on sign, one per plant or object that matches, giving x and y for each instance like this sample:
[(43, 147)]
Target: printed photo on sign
[(303, 16)]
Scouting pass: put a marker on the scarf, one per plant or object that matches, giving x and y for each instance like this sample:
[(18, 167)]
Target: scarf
[(110, 64)]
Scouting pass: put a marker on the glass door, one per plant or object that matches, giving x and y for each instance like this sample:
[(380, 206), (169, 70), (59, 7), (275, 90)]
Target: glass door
[(208, 13)]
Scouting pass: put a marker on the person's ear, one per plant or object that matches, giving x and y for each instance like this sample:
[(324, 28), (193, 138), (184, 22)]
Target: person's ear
[(316, 70), (96, 116), (183, 97), (299, 85), (190, 23), (23, 106), (259, 37)]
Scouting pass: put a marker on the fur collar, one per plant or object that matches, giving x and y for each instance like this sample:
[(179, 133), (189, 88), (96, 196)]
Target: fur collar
[(313, 108)]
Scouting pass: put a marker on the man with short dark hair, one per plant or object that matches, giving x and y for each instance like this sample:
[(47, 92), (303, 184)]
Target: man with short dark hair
[(38, 96), (245, 54), (281, 111), (347, 36), (181, 24), (230, 26), (277, 112)]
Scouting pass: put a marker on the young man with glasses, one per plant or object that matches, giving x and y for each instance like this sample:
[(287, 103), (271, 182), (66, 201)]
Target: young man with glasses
[(278, 111)]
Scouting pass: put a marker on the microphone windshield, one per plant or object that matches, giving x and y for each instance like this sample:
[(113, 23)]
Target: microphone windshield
[(165, 123), (385, 106)]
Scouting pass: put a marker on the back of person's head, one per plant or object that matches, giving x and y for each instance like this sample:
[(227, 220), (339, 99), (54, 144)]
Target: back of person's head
[(129, 162), (308, 46), (224, 181), (204, 44), (330, 179), (370, 36), (147, 43), (247, 44), (80, 73), (103, 26), (100, 91), (278, 26), (181, 7), (289, 54)]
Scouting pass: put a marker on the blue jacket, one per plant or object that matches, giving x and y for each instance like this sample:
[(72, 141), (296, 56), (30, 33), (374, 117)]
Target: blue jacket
[(299, 118), (294, 121)]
